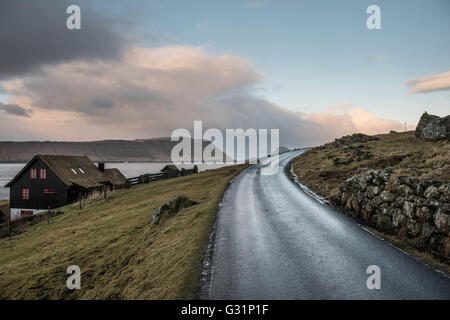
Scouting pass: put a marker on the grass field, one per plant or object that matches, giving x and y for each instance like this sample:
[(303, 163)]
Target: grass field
[(120, 255)]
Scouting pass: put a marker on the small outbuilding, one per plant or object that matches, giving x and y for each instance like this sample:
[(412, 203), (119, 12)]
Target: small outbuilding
[(170, 168)]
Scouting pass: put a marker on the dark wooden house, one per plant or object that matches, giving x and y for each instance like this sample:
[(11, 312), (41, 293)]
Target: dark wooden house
[(52, 181)]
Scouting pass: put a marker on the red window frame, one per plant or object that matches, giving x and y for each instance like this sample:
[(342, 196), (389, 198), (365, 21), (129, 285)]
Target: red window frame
[(49, 191), (25, 194), (42, 173), (33, 173)]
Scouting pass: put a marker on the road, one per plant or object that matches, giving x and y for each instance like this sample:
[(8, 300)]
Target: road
[(274, 241)]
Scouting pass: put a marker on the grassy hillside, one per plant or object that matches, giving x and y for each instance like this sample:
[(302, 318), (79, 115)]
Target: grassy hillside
[(120, 255), (407, 154)]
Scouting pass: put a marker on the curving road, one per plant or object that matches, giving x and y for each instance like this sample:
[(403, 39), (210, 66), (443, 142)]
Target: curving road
[(274, 241)]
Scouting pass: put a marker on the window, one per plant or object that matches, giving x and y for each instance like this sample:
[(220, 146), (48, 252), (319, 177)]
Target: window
[(33, 173), (81, 170), (25, 193), (49, 191), (25, 213), (42, 173), (74, 171)]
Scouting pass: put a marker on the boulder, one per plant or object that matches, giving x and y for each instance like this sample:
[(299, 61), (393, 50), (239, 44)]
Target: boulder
[(398, 219), (442, 221), (414, 228), (433, 128), (445, 192), (427, 231), (387, 196), (404, 190), (399, 201), (171, 207), (432, 193), (423, 214), (408, 209)]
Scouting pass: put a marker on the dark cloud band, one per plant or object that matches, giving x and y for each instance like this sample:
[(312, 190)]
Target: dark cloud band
[(34, 34)]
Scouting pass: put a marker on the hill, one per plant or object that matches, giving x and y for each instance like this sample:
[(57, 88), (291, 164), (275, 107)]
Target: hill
[(141, 150), (121, 256), (396, 184)]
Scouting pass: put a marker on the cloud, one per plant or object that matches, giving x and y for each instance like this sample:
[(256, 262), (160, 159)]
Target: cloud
[(14, 109), (379, 58), (353, 120), (253, 5), (437, 82), (34, 35), (149, 92)]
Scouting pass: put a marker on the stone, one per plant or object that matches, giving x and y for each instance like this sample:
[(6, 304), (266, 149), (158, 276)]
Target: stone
[(431, 203), (404, 190), (398, 202), (442, 222), (385, 174), (398, 219), (445, 193), (387, 196), (408, 209), (427, 231), (171, 207), (408, 180), (423, 214), (433, 128), (414, 228), (432, 193)]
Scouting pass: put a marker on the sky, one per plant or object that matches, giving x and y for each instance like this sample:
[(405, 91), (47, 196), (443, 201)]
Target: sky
[(140, 69)]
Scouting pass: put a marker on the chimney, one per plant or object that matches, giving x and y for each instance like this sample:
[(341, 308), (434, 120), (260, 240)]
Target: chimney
[(101, 166)]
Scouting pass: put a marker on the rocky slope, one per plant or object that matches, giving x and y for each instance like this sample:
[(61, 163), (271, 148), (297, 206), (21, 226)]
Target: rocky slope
[(406, 207), (397, 183)]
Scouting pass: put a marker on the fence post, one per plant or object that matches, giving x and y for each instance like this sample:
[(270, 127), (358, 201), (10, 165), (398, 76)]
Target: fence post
[(9, 224)]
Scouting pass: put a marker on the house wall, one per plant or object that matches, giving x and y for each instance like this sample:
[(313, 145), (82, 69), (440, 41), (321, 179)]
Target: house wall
[(37, 200), (16, 212)]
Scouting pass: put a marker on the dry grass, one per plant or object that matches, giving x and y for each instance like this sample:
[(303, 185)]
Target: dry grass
[(403, 151), (120, 255)]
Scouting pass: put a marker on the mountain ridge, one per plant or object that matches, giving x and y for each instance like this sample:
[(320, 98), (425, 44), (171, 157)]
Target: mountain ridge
[(139, 150)]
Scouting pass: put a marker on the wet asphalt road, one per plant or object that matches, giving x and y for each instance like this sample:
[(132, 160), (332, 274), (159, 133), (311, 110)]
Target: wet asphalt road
[(274, 241)]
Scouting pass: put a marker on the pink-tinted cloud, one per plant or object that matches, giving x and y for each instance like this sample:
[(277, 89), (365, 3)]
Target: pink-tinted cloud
[(353, 120), (151, 91), (437, 82)]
